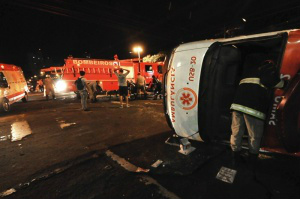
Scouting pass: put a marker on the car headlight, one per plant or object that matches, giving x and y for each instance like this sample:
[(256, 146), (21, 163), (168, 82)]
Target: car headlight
[(61, 85)]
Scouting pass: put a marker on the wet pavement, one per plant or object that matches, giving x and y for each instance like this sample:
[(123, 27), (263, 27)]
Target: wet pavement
[(51, 149)]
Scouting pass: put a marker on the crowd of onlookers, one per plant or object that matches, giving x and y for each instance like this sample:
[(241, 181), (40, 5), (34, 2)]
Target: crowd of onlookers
[(126, 88), (86, 89)]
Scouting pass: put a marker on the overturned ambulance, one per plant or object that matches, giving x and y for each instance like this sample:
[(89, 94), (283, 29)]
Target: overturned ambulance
[(202, 78)]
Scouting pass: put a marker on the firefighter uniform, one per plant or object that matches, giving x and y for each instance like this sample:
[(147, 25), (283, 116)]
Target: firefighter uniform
[(94, 89), (49, 87), (251, 103)]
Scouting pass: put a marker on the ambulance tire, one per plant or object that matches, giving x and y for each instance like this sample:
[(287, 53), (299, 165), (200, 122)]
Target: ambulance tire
[(25, 98), (5, 106)]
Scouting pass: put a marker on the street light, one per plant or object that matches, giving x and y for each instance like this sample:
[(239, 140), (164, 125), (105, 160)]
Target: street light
[(138, 50)]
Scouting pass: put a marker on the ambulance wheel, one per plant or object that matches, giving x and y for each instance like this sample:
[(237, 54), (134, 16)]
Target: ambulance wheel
[(5, 106), (25, 98)]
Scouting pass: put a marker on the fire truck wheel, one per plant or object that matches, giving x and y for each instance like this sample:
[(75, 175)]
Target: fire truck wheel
[(25, 98), (5, 106)]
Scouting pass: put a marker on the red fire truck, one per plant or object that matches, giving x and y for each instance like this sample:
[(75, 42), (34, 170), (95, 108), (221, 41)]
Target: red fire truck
[(52, 71), (103, 71)]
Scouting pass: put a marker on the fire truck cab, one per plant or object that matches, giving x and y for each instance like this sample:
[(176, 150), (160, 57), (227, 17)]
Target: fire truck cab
[(202, 78), (13, 86)]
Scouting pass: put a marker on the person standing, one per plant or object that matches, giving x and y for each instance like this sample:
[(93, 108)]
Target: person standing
[(49, 87), (123, 89), (34, 85), (250, 106), (82, 89), (140, 84), (41, 85), (157, 87)]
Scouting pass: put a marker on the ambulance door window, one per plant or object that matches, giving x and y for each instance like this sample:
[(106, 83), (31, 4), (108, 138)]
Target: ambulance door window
[(3, 82), (149, 68)]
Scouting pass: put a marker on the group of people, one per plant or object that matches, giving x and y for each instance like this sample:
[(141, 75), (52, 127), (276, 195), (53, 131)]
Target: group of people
[(93, 89), (84, 89)]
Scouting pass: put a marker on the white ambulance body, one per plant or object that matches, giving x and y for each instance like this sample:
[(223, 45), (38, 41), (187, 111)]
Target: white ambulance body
[(13, 86), (202, 78)]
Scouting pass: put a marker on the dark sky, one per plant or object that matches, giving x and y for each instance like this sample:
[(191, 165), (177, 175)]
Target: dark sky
[(107, 27)]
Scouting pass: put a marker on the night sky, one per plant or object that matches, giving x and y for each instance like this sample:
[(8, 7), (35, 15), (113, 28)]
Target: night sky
[(54, 29)]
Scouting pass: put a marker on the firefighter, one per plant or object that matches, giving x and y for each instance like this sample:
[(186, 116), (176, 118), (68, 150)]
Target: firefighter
[(41, 85), (95, 89), (48, 82), (250, 106)]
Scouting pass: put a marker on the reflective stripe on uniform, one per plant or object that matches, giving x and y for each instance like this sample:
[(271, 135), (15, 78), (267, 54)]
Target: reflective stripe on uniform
[(248, 111), (252, 81), (280, 84)]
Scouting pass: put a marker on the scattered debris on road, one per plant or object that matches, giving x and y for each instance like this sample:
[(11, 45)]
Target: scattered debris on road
[(226, 175), (157, 163)]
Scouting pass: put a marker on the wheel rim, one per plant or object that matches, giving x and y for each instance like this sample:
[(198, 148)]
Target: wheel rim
[(5, 106)]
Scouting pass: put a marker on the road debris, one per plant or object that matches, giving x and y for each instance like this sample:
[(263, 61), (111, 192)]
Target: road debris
[(19, 130), (157, 163), (226, 175), (7, 192)]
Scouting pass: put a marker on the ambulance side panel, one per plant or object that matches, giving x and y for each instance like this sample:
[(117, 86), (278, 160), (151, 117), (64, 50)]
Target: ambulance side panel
[(17, 86)]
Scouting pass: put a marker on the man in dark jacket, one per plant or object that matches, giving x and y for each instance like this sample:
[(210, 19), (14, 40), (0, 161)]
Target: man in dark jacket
[(250, 106)]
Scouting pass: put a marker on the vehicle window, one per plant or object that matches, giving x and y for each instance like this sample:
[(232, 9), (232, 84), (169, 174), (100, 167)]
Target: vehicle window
[(159, 69), (3, 82), (148, 68)]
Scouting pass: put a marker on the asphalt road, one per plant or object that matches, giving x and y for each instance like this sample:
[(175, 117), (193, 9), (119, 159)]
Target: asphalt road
[(52, 149)]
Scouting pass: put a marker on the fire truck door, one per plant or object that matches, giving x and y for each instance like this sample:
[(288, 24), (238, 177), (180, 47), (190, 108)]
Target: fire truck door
[(288, 112)]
